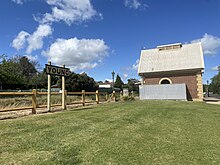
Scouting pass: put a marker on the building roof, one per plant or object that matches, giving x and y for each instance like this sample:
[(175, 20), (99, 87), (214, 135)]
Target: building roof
[(174, 57), (105, 86)]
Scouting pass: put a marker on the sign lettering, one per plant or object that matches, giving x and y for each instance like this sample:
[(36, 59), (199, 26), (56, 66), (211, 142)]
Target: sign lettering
[(55, 70)]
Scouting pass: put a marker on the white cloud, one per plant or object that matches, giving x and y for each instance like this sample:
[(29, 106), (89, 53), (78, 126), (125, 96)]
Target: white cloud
[(135, 66), (215, 68), (77, 54), (69, 11), (20, 2), (210, 44), (109, 80), (34, 41), (134, 4), (19, 42), (130, 71), (125, 76), (32, 58)]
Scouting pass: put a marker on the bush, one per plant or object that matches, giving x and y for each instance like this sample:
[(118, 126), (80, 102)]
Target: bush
[(127, 98)]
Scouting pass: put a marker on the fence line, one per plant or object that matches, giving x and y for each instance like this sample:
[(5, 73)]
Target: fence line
[(34, 93)]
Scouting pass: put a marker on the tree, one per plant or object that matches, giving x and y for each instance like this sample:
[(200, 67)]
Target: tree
[(27, 67), (215, 84), (10, 74), (132, 86), (16, 72), (78, 82), (118, 82)]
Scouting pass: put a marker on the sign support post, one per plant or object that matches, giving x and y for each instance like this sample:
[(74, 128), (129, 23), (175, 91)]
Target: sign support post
[(63, 92), (49, 91)]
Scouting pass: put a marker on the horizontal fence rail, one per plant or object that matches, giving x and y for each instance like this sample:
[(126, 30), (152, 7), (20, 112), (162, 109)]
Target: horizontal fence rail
[(16, 93), (35, 94)]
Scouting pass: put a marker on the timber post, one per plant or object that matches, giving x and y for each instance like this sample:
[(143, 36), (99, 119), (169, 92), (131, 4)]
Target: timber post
[(83, 97), (132, 93), (34, 101), (106, 96), (63, 92), (97, 96), (121, 94), (113, 95), (65, 97), (49, 91)]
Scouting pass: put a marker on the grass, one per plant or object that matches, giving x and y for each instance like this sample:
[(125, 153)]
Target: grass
[(137, 132)]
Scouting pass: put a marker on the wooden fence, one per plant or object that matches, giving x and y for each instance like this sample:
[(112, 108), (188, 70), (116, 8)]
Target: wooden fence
[(34, 94)]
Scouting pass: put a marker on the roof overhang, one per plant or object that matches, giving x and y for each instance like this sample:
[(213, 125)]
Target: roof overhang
[(173, 72)]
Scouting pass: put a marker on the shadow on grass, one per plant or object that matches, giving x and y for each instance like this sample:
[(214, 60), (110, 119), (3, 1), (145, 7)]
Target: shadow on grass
[(20, 115), (66, 155), (82, 109)]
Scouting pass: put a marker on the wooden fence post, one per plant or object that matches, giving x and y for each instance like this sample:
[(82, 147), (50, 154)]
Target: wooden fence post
[(34, 101), (121, 94), (65, 98), (106, 96), (132, 93), (97, 97), (114, 97), (83, 97)]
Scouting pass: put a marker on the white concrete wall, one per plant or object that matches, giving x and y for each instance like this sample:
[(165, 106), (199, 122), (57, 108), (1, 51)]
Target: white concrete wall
[(163, 92)]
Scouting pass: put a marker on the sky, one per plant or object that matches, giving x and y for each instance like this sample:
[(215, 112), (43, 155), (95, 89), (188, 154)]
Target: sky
[(101, 36)]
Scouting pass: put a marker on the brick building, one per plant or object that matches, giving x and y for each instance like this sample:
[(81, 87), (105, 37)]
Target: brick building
[(174, 64)]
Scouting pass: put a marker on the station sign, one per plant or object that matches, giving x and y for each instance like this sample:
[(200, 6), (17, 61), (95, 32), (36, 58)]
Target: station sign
[(56, 70)]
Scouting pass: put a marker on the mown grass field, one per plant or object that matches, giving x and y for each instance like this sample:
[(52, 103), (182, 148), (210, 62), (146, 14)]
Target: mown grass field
[(138, 132)]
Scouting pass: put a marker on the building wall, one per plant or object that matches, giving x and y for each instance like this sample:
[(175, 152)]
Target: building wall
[(193, 83), (199, 86)]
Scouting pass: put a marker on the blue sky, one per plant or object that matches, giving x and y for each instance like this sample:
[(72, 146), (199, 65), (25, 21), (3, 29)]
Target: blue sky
[(99, 36)]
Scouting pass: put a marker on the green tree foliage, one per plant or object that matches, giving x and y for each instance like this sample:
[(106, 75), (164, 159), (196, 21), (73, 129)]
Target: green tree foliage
[(27, 67), (118, 82), (10, 73), (79, 82), (16, 72), (131, 84), (205, 86), (215, 84)]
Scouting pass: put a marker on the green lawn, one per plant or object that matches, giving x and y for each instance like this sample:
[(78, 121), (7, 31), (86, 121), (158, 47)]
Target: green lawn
[(139, 132)]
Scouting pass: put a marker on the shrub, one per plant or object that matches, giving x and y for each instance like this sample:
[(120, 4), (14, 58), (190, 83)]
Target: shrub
[(127, 98)]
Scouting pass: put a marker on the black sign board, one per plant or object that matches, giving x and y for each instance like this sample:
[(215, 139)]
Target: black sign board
[(56, 70)]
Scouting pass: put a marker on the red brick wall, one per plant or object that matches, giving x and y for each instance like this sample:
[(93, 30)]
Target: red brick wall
[(189, 80)]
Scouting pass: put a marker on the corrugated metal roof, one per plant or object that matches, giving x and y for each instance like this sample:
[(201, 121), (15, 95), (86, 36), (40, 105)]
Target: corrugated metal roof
[(188, 56)]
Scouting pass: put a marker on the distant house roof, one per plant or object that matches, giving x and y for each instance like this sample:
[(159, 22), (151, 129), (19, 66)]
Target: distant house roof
[(172, 57), (105, 86)]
